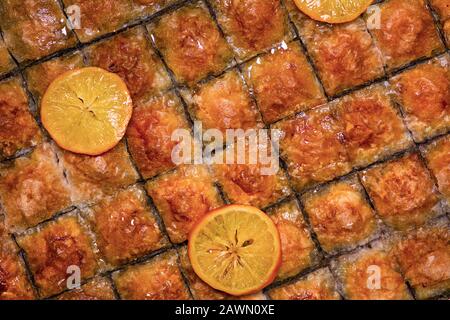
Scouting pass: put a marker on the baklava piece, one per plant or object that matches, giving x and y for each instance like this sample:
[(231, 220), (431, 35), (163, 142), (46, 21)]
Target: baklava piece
[(182, 197), (283, 82), (402, 191), (223, 103), (254, 184), (443, 9), (52, 250), (14, 284), (125, 227), (373, 128), (91, 177), (34, 28), (201, 290), (6, 63), (424, 259), (318, 285), (345, 55), (33, 189), (407, 32), (98, 17), (298, 249), (437, 155), (158, 279), (191, 43), (130, 56), (371, 274), (149, 133), (340, 215), (424, 95), (40, 76), (252, 26), (96, 289), (313, 147), (18, 129)]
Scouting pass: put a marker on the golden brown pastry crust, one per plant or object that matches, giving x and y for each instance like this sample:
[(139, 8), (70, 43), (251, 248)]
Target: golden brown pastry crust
[(33, 189), (372, 127), (182, 197), (345, 55), (340, 215), (424, 258), (149, 133), (252, 25), (54, 247), (6, 63), (93, 177), (424, 94), (284, 83), (130, 56), (34, 28), (18, 129), (125, 227), (313, 147), (96, 289), (158, 279), (224, 103), (191, 44), (407, 32), (318, 285), (402, 191)]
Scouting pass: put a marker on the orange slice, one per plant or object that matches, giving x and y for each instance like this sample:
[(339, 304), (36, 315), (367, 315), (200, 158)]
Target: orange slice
[(235, 249), (87, 110), (333, 11)]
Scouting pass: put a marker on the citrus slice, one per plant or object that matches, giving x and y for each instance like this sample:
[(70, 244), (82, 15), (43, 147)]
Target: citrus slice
[(333, 11), (235, 249), (87, 110)]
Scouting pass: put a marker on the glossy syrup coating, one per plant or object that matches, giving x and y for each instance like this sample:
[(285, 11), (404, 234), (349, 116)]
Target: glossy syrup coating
[(91, 177), (407, 32), (54, 247), (403, 192), (252, 26), (34, 28), (298, 251), (183, 197), (149, 133), (18, 129), (373, 128), (283, 82), (40, 76), (312, 144), (191, 43), (6, 63), (99, 17), (340, 215), (318, 285), (96, 289), (158, 279), (130, 56), (201, 290), (254, 184), (437, 154), (33, 189), (125, 227), (424, 94), (223, 103), (371, 274), (144, 8), (424, 259), (345, 55), (14, 284)]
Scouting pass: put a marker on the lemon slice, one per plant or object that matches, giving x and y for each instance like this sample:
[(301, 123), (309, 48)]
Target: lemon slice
[(235, 249), (333, 11), (87, 110)]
